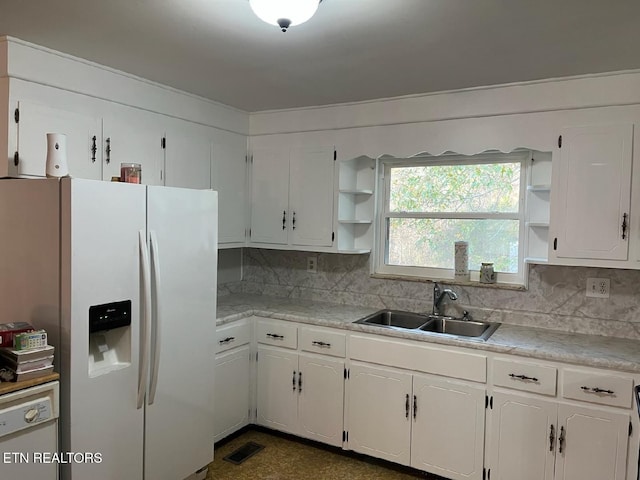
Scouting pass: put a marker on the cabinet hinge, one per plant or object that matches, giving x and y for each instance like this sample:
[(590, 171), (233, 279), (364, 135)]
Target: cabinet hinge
[(16, 158), (16, 115), (555, 243), (163, 142), (335, 155), (630, 428), (560, 141)]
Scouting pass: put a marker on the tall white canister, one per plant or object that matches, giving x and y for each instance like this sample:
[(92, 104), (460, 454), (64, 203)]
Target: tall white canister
[(56, 165), (461, 261)]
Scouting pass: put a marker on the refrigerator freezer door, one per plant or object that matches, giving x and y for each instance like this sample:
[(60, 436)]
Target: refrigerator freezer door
[(101, 264), (179, 422)]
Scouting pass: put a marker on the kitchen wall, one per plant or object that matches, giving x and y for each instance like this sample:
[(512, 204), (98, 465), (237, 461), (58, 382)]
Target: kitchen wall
[(555, 297)]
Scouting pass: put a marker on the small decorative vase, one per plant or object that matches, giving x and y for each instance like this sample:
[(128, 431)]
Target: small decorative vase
[(487, 274), (461, 261), (56, 166)]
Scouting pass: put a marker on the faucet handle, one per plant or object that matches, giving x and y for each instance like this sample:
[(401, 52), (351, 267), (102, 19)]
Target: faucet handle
[(466, 316)]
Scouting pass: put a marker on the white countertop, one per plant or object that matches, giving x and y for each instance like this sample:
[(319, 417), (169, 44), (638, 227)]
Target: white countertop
[(587, 350)]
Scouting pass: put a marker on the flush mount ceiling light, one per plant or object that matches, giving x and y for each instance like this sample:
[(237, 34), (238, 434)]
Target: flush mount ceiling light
[(284, 13)]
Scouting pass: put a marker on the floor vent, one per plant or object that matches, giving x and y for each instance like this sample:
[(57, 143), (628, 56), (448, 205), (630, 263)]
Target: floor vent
[(239, 455)]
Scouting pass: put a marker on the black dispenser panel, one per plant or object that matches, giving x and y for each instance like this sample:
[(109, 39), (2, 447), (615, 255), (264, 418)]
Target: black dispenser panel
[(109, 316)]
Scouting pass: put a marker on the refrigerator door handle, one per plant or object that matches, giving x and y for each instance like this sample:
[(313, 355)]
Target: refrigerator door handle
[(156, 330), (146, 318)]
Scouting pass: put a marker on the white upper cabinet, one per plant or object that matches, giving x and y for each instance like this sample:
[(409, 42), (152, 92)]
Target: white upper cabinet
[(592, 195), (311, 196), (83, 133), (188, 155), (229, 178), (133, 137), (292, 197), (269, 195)]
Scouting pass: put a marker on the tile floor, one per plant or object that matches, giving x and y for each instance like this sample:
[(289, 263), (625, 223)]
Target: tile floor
[(286, 459)]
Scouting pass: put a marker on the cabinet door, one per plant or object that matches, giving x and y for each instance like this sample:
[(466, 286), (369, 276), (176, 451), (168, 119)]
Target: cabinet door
[(311, 196), (231, 400), (379, 413), (321, 399), (523, 438), (188, 156), (133, 137), (37, 120), (229, 178), (593, 445), (277, 389), (269, 195), (447, 436), (594, 183)]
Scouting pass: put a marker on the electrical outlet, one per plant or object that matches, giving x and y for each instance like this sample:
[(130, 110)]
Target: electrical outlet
[(312, 264), (598, 287)]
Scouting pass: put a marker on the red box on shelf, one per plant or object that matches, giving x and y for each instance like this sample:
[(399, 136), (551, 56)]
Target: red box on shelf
[(8, 330)]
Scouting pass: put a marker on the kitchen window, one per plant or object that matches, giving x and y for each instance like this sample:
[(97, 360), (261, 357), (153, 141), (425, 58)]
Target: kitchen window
[(428, 203)]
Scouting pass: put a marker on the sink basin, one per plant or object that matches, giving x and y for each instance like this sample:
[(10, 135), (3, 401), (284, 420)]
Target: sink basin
[(430, 323), (395, 318), (461, 328)]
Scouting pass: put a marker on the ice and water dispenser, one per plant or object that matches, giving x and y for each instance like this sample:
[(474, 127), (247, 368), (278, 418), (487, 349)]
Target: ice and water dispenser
[(109, 337)]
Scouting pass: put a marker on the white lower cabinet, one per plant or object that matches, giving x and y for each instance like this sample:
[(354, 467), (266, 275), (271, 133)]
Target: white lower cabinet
[(447, 436), (379, 412), (532, 438), (231, 400), (301, 394), (522, 438), (422, 421), (592, 444)]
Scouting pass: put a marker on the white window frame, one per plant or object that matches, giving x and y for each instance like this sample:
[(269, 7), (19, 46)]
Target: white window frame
[(431, 273)]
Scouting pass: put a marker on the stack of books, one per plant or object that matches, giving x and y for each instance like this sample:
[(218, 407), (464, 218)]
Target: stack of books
[(18, 365)]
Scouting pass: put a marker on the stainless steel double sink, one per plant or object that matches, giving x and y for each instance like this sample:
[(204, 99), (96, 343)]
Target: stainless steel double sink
[(431, 323)]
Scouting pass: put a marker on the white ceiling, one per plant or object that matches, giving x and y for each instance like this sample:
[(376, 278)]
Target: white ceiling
[(351, 50)]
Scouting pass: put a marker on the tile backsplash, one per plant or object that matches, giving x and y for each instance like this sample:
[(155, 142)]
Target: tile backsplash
[(554, 299)]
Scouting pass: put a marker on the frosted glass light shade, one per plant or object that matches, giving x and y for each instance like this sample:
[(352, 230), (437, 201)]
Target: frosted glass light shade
[(284, 13)]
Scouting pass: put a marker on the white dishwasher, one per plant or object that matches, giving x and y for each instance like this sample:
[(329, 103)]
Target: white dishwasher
[(29, 433)]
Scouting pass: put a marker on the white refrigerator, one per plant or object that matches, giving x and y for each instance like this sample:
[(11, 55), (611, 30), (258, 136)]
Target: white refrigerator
[(123, 278)]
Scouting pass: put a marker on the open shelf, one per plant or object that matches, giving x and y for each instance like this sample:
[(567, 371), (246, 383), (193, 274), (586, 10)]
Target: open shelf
[(356, 184), (537, 215)]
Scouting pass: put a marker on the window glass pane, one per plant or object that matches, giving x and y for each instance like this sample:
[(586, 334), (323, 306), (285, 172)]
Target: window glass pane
[(421, 242), (455, 188)]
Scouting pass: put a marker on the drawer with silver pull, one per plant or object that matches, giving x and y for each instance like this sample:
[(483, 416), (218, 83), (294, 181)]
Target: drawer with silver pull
[(319, 340), (601, 388), (232, 336), (279, 334), (526, 376)]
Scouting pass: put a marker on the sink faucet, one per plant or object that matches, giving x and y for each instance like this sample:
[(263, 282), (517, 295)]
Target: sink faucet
[(438, 296)]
